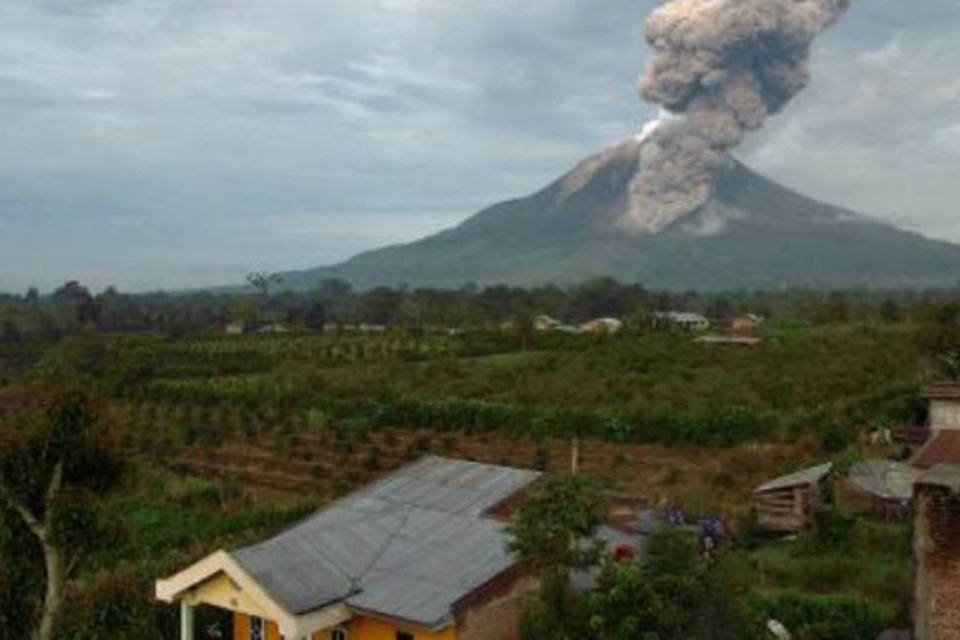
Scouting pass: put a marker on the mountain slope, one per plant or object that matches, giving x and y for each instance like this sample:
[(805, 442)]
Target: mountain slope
[(753, 234)]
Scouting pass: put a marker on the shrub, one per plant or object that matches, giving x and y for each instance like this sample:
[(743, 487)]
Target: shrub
[(833, 530), (822, 617), (834, 439)]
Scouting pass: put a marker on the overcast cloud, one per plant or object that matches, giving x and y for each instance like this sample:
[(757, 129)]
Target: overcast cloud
[(176, 143)]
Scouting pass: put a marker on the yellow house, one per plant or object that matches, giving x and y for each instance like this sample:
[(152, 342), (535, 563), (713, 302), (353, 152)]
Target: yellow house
[(419, 555)]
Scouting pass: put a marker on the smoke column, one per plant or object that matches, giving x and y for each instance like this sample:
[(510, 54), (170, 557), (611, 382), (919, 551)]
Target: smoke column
[(720, 68)]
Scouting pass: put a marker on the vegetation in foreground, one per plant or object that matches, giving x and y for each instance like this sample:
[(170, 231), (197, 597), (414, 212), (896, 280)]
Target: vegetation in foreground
[(678, 591)]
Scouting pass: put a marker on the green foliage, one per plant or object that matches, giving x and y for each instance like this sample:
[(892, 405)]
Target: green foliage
[(671, 552), (559, 614), (834, 439), (833, 530), (871, 562), (21, 585), (822, 617), (676, 595), (52, 468), (553, 530)]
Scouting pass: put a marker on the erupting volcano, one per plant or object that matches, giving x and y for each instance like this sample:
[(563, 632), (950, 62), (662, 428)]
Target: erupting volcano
[(671, 207)]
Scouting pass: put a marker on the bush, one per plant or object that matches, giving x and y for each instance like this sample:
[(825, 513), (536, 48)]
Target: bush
[(833, 530), (822, 617), (834, 439)]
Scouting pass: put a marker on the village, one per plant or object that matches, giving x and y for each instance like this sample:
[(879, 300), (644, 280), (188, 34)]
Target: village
[(370, 567)]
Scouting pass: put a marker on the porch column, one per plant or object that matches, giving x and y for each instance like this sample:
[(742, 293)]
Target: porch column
[(186, 621)]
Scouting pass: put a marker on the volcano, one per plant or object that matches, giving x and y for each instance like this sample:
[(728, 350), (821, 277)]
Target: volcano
[(752, 234)]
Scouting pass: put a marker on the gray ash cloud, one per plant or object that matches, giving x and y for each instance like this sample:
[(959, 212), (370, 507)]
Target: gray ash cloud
[(720, 68)]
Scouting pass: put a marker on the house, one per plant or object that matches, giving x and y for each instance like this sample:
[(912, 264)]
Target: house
[(789, 503), (419, 555), (546, 323), (601, 325), (936, 549), (272, 329), (687, 321), (746, 325), (883, 488), (943, 446), (234, 328), (365, 327)]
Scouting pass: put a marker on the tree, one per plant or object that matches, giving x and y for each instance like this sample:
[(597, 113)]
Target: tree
[(10, 331), (262, 281), (553, 530), (675, 596), (52, 466), (76, 299), (553, 534), (33, 297), (315, 316), (890, 311)]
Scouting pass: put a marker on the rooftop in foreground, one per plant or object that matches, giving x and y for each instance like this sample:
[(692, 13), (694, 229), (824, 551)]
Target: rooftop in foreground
[(407, 547)]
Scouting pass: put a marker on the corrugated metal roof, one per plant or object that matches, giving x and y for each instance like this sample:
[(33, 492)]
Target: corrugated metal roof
[(808, 476), (942, 475), (408, 546), (884, 478)]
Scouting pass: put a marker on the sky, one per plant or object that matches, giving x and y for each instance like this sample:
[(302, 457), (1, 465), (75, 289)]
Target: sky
[(165, 144)]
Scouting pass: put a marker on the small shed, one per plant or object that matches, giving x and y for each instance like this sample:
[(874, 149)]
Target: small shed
[(787, 504), (883, 488)]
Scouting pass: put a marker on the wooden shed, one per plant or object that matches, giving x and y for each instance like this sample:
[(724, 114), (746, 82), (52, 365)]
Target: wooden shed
[(788, 504)]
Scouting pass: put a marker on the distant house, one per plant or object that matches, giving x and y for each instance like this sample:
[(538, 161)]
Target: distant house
[(937, 554), (273, 328), (685, 320), (601, 325), (746, 325), (418, 555), (789, 503), (234, 328), (547, 323)]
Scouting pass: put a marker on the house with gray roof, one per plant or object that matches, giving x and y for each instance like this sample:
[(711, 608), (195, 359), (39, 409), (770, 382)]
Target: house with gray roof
[(419, 555)]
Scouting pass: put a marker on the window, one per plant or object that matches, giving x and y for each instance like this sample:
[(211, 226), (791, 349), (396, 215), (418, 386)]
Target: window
[(403, 635), (257, 629), (339, 634)]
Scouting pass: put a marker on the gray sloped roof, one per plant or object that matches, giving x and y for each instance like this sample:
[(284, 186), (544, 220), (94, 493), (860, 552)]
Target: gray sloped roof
[(884, 478), (409, 546), (942, 475), (811, 475)]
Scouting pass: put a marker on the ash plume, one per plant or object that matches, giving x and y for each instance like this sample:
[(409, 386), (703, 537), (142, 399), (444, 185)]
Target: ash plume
[(720, 68)]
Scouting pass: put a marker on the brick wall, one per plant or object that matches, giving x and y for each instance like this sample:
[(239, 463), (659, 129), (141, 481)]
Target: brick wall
[(937, 553), (494, 613)]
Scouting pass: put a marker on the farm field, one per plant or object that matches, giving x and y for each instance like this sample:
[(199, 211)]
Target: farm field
[(231, 438)]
